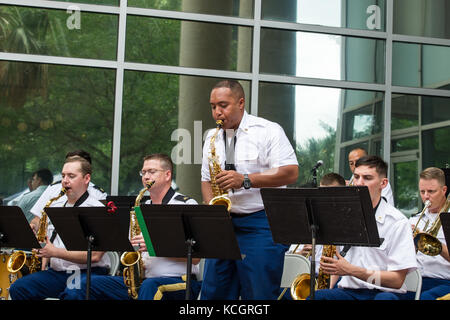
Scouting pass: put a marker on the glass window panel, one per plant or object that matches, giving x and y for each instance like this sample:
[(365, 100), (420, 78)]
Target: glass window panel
[(363, 115), (405, 185), (435, 151), (416, 65), (411, 143), (309, 115), (165, 113), (435, 109), (314, 55), (354, 14), (233, 8), (405, 112), (103, 2), (58, 33), (423, 18), (188, 44), (56, 109)]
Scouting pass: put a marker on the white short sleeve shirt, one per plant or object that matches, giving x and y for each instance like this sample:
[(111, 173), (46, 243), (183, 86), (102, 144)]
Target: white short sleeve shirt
[(260, 145), (395, 253)]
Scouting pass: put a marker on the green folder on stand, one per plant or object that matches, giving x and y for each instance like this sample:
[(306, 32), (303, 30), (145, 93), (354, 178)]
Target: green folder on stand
[(144, 230)]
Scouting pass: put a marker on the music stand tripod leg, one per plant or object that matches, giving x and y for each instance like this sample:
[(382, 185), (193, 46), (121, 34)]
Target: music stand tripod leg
[(190, 243)]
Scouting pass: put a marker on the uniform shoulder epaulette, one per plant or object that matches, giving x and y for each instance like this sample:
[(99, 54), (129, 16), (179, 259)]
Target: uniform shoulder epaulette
[(56, 182), (182, 197), (99, 189)]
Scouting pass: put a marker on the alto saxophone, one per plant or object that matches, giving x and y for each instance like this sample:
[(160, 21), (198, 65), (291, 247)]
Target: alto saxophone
[(133, 273), (18, 259), (219, 195)]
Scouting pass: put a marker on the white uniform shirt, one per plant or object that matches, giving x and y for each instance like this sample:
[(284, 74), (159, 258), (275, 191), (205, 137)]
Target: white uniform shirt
[(54, 189), (395, 253), (260, 145), (429, 266), (58, 264), (167, 267)]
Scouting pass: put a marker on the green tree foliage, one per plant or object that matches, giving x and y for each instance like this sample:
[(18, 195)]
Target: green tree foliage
[(314, 150)]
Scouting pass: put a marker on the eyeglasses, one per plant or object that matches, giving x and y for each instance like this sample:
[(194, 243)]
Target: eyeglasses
[(142, 173)]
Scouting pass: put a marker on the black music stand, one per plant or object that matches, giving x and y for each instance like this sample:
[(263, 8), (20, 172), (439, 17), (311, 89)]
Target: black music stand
[(445, 220), (92, 228), (192, 231), (325, 215), (15, 231)]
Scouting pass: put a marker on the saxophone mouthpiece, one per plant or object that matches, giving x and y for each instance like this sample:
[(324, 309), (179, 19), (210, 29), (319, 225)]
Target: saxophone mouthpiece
[(148, 185), (219, 123), (63, 191)]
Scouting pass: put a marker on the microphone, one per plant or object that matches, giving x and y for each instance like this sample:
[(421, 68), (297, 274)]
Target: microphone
[(317, 165)]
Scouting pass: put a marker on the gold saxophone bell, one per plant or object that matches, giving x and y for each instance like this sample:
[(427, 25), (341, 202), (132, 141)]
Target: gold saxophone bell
[(16, 263), (14, 266), (301, 287)]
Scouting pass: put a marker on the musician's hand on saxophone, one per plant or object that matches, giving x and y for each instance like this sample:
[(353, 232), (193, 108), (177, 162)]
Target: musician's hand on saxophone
[(139, 242), (336, 266), (229, 179), (48, 251)]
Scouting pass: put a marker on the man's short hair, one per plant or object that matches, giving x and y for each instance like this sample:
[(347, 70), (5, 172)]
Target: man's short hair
[(84, 164), (364, 151), (433, 173), (376, 162), (166, 162), (233, 85), (45, 175), (332, 178), (80, 153)]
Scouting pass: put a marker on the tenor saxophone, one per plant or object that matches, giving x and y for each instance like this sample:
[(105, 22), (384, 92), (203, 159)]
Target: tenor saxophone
[(219, 195), (17, 261), (133, 273)]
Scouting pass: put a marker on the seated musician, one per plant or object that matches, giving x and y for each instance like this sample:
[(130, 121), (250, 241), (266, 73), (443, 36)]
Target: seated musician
[(59, 278), (435, 270), (53, 189), (373, 273), (164, 277)]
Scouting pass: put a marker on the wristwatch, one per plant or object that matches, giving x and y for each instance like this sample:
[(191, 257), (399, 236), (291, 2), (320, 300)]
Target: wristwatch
[(247, 183)]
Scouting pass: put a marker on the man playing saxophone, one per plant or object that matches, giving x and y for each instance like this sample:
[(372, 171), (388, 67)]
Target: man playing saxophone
[(57, 280), (435, 270), (164, 277), (259, 155)]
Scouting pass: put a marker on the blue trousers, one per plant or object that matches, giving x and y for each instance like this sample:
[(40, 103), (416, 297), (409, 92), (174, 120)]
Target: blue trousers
[(258, 275), (113, 288), (434, 288), (51, 284), (360, 294)]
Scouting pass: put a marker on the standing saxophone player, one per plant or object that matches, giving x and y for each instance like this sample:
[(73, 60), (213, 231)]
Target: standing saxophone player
[(435, 270), (164, 277), (263, 157), (56, 281)]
